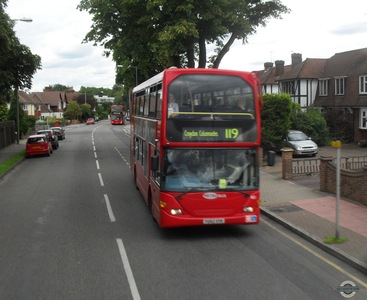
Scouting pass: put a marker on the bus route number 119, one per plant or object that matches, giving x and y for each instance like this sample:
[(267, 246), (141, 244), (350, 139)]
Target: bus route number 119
[(231, 133)]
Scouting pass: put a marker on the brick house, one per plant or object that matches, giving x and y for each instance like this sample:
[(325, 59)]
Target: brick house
[(28, 105), (343, 90), (337, 85)]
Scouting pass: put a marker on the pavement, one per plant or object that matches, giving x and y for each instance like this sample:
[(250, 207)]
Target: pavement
[(300, 206)]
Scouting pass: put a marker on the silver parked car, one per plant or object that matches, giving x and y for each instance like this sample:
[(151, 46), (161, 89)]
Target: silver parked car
[(300, 143)]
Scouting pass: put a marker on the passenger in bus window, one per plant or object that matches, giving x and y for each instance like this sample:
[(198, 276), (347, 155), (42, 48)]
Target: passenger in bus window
[(238, 175), (241, 103), (172, 105)]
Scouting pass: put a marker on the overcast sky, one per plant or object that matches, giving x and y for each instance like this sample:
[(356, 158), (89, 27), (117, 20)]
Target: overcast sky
[(314, 28)]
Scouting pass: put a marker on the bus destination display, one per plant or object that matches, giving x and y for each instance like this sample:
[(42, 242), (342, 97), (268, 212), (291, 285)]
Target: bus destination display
[(192, 134)]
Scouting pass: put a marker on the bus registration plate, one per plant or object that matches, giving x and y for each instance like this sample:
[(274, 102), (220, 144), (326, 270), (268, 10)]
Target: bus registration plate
[(213, 221)]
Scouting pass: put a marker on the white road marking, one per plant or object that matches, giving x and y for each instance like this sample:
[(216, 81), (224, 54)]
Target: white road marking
[(100, 179), (109, 209), (97, 164), (129, 273)]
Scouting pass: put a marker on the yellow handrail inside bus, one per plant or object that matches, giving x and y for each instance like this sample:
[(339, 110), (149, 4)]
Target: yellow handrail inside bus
[(176, 113)]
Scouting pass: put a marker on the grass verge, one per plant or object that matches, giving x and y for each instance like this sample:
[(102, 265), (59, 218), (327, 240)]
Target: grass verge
[(10, 163), (334, 240)]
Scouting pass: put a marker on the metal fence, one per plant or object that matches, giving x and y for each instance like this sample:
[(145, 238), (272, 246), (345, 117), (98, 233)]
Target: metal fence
[(7, 134), (352, 162), (305, 166), (311, 166)]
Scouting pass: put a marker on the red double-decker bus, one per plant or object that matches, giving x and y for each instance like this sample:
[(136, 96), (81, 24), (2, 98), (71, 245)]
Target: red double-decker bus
[(195, 136), (117, 115)]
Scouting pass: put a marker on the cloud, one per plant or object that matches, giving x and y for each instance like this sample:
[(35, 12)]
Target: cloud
[(314, 28)]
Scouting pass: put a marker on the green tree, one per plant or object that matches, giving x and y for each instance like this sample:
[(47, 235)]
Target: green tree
[(17, 63), (12, 115), (103, 110), (146, 37), (73, 111), (3, 111), (86, 111), (60, 88), (276, 118), (311, 122)]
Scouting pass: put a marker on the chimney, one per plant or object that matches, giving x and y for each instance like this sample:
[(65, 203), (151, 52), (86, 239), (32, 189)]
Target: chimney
[(296, 59), (279, 67), (268, 65)]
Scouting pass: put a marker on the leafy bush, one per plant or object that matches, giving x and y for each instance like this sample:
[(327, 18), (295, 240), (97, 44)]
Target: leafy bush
[(275, 118), (312, 123), (281, 114)]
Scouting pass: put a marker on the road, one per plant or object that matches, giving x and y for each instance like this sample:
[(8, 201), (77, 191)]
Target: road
[(73, 226)]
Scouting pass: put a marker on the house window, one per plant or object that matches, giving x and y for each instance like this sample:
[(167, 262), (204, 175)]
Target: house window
[(363, 84), (363, 118), (323, 84), (289, 87), (339, 85)]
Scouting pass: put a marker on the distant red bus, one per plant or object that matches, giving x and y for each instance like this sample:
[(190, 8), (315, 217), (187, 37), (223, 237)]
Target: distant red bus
[(117, 115), (195, 137)]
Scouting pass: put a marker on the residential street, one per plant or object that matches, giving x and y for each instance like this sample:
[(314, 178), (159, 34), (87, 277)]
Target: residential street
[(74, 227)]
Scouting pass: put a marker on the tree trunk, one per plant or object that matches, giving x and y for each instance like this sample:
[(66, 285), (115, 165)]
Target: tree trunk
[(223, 52), (190, 54), (202, 51)]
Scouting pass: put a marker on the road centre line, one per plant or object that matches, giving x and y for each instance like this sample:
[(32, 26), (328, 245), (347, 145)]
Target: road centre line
[(109, 208), (128, 271), (100, 179), (325, 260), (123, 158), (97, 164)]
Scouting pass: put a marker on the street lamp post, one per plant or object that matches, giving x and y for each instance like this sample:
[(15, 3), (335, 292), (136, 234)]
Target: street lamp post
[(17, 112), (136, 73), (28, 20)]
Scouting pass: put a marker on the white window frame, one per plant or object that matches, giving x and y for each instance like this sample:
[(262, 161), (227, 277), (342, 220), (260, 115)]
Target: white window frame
[(340, 85), (363, 118), (363, 84), (323, 86)]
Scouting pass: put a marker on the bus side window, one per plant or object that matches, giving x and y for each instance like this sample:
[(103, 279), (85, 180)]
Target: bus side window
[(141, 106), (136, 148), (152, 106), (146, 105), (159, 105)]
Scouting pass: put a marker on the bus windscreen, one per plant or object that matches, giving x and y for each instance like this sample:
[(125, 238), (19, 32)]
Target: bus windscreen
[(210, 169)]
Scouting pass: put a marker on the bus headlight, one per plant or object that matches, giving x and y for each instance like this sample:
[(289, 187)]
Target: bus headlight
[(176, 211), (248, 209)]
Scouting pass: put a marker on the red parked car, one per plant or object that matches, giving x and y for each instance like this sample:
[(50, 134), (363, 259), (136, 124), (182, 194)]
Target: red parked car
[(38, 144), (90, 121)]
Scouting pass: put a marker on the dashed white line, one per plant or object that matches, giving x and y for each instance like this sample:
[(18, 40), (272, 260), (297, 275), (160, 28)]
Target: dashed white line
[(123, 158), (95, 154), (109, 209), (128, 271), (97, 164), (100, 179)]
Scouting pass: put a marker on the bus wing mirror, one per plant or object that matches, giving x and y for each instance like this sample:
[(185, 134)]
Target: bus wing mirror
[(154, 162)]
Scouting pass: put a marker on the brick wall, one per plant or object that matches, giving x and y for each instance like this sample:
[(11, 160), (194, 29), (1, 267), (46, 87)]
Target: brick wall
[(352, 182)]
